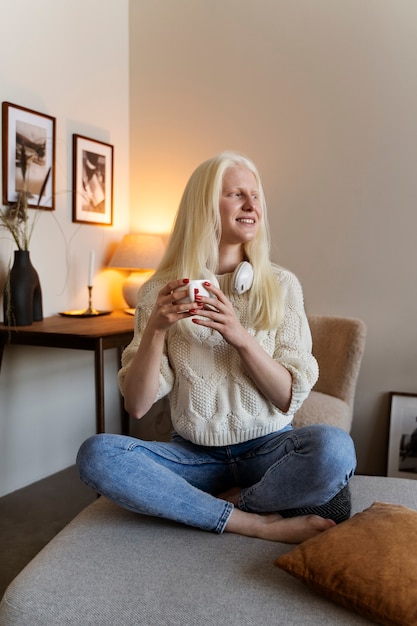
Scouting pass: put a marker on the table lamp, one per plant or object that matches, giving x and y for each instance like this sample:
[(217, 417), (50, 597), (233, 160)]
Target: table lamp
[(140, 254)]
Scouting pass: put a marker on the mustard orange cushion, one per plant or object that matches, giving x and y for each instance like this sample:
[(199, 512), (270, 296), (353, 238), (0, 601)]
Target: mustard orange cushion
[(367, 564)]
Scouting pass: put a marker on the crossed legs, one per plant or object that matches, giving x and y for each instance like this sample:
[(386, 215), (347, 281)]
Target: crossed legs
[(181, 481)]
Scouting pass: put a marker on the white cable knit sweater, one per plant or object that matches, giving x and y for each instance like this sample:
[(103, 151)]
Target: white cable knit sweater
[(213, 401)]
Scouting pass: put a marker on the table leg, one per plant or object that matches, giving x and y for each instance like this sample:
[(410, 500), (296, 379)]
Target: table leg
[(99, 384)]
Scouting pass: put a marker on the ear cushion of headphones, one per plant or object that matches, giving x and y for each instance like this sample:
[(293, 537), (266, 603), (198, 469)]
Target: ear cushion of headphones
[(242, 277)]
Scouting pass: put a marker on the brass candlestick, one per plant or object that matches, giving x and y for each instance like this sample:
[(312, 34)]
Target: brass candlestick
[(91, 310)]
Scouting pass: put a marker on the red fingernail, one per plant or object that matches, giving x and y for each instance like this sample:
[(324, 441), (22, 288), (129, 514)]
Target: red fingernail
[(207, 284), (198, 298), (193, 311), (186, 281)]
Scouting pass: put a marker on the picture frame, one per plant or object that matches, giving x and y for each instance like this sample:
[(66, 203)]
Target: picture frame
[(402, 447), (92, 181), (28, 156)]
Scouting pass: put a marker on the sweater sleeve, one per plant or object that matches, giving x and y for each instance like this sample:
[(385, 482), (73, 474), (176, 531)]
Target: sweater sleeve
[(144, 308), (293, 345)]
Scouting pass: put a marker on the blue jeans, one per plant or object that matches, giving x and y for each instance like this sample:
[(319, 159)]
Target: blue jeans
[(179, 480)]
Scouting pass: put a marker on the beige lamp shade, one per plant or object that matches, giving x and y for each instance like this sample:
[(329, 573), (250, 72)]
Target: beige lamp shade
[(139, 254)]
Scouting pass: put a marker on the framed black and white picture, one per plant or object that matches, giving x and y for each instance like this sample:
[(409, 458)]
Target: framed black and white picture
[(92, 181), (402, 448), (28, 156)]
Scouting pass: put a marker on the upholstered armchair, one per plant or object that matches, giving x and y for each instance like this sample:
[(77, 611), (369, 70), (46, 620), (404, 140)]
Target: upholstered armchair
[(338, 345)]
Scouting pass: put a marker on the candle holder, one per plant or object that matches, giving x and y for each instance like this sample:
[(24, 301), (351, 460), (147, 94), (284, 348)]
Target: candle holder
[(88, 312)]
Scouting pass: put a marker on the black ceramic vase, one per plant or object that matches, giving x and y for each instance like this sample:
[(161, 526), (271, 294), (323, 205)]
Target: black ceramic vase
[(22, 302)]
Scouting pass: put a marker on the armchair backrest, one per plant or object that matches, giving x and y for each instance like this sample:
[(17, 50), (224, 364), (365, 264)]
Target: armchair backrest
[(338, 345)]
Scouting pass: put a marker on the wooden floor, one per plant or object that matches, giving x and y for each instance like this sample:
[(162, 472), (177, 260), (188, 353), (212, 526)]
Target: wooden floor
[(32, 516)]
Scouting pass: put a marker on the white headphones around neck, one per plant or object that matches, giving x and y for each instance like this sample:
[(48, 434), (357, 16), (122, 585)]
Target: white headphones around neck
[(242, 278)]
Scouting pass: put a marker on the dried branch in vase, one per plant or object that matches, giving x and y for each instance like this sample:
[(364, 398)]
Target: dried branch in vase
[(15, 215)]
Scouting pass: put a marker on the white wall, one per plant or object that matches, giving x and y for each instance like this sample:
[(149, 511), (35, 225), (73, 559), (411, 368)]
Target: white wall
[(323, 96), (68, 59)]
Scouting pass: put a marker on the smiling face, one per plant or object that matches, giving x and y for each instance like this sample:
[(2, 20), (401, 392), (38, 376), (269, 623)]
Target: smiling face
[(240, 208)]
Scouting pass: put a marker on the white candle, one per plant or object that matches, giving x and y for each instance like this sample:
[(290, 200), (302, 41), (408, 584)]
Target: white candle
[(91, 269)]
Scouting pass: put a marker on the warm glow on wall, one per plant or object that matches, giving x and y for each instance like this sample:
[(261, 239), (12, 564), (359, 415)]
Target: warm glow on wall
[(155, 196), (153, 215), (155, 218)]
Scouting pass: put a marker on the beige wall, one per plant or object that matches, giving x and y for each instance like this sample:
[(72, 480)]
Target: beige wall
[(68, 60), (323, 96)]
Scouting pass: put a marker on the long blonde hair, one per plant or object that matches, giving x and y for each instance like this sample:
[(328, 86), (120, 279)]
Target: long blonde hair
[(193, 248)]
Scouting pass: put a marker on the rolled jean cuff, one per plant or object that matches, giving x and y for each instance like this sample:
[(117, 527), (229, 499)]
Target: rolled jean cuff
[(228, 509)]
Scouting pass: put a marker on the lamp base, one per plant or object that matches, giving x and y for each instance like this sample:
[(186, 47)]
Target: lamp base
[(131, 286)]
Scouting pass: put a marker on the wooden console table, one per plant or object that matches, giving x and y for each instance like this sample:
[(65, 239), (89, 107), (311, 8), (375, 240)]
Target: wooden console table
[(88, 333)]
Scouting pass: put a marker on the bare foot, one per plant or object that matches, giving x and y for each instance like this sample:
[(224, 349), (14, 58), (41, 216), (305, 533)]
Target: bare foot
[(275, 528), (295, 529)]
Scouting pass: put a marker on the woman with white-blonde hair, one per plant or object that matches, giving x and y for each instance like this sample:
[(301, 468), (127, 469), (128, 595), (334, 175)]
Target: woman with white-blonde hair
[(222, 331)]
